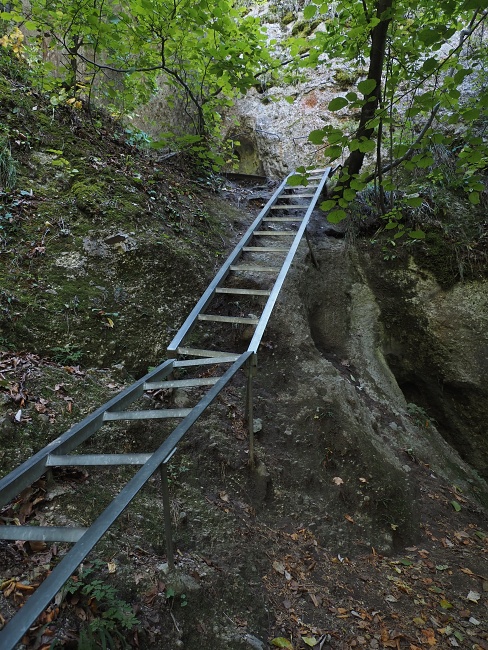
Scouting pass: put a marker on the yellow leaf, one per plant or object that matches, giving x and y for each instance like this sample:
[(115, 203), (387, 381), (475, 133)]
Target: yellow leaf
[(110, 322), (281, 642)]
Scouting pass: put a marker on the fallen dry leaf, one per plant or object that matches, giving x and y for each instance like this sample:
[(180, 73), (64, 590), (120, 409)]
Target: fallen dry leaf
[(473, 596)]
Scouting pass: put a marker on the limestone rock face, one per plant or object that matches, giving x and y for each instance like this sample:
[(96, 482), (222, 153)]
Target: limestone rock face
[(273, 134), (407, 343), (436, 343)]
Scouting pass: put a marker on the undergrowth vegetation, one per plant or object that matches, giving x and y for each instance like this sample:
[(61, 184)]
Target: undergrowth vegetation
[(87, 204)]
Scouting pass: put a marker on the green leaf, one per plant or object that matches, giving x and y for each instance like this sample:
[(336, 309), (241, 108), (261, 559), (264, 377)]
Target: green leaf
[(9, 15), (333, 152), (309, 11), (336, 216), (316, 136), (295, 180), (328, 205), (349, 194), (281, 642), (337, 103), (425, 162), (430, 64), (428, 36), (474, 4), (456, 506), (412, 111), (391, 225), (416, 234), (335, 136), (309, 640), (367, 86), (357, 185), (366, 146), (351, 97), (461, 74), (474, 198), (290, 99), (414, 201)]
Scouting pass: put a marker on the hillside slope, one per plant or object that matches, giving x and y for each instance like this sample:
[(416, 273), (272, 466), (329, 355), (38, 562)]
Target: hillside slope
[(360, 526)]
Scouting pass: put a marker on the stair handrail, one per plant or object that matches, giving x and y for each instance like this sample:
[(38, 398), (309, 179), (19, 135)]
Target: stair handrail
[(207, 296), (34, 467), (270, 303), (19, 624)]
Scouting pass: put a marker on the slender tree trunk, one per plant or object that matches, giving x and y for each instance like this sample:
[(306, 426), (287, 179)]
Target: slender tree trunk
[(379, 34)]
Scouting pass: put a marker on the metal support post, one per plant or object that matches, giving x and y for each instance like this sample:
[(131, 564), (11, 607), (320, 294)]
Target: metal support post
[(167, 516), (50, 482), (312, 254), (250, 372)]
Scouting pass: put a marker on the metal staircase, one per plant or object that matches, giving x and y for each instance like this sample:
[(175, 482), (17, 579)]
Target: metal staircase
[(242, 295)]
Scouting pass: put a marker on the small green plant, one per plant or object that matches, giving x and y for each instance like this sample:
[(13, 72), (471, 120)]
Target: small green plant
[(113, 618), (171, 595), (345, 78), (67, 354), (136, 137), (420, 416)]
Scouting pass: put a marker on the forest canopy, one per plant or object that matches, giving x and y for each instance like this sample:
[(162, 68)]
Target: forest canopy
[(423, 91)]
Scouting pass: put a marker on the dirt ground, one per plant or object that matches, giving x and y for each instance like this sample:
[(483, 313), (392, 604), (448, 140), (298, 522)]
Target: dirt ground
[(254, 566)]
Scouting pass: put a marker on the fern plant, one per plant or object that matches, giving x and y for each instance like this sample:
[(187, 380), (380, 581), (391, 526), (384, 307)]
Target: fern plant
[(114, 618)]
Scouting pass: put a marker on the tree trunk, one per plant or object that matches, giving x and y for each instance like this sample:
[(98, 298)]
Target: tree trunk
[(379, 34)]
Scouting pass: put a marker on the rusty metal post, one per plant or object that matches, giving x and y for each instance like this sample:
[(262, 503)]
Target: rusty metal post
[(167, 516)]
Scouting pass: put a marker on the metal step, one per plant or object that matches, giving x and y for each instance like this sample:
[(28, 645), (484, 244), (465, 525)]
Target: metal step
[(296, 196), (255, 268), (96, 460), (248, 292), (274, 233), (156, 414), (228, 319), (289, 207), (42, 533), (214, 354), (180, 383), (261, 249), (189, 363), (283, 219)]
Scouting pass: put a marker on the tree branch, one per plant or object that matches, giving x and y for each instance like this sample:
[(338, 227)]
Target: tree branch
[(465, 33)]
